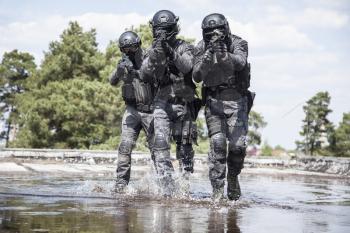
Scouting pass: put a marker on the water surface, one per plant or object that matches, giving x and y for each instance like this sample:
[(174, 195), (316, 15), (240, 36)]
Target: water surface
[(270, 203)]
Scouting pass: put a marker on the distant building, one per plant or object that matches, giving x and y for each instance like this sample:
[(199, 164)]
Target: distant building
[(253, 151)]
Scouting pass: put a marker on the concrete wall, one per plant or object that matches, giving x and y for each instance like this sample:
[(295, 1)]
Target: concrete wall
[(329, 165)]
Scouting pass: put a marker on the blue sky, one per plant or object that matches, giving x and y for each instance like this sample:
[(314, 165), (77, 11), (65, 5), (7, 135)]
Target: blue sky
[(297, 48)]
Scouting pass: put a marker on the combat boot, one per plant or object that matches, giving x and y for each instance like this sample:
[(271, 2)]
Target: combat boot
[(120, 187), (233, 188), (218, 194)]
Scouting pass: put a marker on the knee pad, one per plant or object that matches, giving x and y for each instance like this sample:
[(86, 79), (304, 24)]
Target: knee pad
[(235, 158), (125, 147), (161, 142), (236, 149), (124, 159), (218, 144)]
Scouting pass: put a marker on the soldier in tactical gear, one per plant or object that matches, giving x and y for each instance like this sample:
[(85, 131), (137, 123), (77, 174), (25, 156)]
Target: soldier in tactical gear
[(170, 61), (221, 63), (138, 95)]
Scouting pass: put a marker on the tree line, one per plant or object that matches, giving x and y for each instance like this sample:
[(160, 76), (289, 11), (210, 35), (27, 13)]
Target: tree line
[(319, 134), (67, 102)]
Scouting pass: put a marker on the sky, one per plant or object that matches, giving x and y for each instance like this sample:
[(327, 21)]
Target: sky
[(296, 48)]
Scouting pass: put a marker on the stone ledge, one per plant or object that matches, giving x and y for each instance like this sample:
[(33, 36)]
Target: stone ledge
[(329, 165)]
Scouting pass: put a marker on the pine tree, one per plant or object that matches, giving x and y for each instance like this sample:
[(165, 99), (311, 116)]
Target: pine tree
[(15, 68), (316, 129), (69, 106), (342, 137)]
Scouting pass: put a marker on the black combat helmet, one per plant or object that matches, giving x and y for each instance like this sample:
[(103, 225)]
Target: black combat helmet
[(129, 42), (215, 21), (165, 20)]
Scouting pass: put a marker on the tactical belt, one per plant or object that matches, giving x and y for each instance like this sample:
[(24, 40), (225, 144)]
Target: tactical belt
[(144, 108), (225, 93)]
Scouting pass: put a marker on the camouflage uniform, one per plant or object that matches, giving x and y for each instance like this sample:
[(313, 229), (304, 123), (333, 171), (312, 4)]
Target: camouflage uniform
[(138, 96), (226, 110), (174, 113)]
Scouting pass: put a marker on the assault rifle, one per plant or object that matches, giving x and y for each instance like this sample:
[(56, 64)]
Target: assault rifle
[(215, 36)]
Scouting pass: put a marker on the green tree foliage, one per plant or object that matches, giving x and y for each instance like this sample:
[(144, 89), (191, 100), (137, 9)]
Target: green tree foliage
[(145, 32), (266, 149), (75, 55), (316, 129), (256, 122), (71, 106), (342, 137), (71, 114), (69, 103), (15, 68)]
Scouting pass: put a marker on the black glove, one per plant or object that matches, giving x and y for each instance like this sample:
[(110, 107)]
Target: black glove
[(125, 63), (129, 65), (126, 67), (157, 45), (219, 47), (208, 56), (159, 40)]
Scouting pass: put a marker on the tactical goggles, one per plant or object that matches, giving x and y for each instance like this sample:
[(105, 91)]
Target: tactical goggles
[(167, 29), (210, 32), (130, 48)]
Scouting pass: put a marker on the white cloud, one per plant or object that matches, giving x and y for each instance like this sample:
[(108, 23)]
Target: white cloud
[(110, 26), (288, 67), (275, 37), (298, 76), (191, 29), (34, 36), (194, 4), (305, 18), (318, 17)]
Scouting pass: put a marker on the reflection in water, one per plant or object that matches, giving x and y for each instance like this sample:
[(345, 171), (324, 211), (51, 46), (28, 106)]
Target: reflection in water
[(166, 219), (41, 218), (79, 216), (217, 223), (270, 204), (232, 221)]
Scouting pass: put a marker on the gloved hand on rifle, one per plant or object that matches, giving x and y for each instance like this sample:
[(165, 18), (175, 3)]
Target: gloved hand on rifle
[(157, 53), (219, 47), (126, 64), (159, 40), (208, 55), (215, 46), (126, 68), (220, 51)]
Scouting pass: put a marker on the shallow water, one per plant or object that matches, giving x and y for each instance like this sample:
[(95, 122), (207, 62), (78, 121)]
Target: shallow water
[(75, 203)]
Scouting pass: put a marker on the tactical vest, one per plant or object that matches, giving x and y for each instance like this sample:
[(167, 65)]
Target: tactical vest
[(220, 75), (138, 94), (175, 84), (143, 95), (128, 93)]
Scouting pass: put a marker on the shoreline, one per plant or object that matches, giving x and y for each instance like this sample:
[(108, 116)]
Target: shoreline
[(78, 161)]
